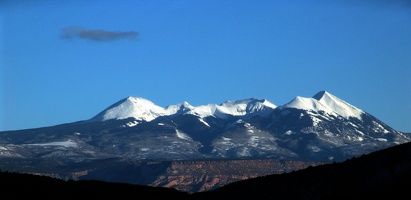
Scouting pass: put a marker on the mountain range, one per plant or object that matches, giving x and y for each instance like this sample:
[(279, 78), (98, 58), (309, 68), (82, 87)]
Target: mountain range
[(135, 131)]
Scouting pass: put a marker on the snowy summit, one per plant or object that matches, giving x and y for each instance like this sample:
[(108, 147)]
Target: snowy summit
[(136, 107), (144, 110), (324, 101)]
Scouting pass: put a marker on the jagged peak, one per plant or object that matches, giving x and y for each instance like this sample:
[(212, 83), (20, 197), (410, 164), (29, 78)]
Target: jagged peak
[(242, 107), (184, 104), (321, 94), (143, 109), (179, 108), (242, 101), (325, 101), (248, 102), (338, 105), (306, 104)]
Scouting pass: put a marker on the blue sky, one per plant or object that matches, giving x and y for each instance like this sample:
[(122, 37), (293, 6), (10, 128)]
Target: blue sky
[(65, 61)]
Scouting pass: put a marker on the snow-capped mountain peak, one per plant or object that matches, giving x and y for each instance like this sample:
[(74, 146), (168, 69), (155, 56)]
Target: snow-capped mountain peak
[(179, 108), (232, 108), (145, 110), (259, 105), (238, 108), (306, 104), (324, 101), (337, 105), (137, 107)]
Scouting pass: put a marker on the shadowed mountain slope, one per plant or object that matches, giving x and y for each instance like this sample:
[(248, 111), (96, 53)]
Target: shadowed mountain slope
[(20, 186), (382, 174)]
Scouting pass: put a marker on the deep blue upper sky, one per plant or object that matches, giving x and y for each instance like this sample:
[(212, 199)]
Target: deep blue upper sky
[(65, 61)]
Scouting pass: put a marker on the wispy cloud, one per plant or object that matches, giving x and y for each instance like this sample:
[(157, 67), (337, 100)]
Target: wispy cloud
[(97, 35)]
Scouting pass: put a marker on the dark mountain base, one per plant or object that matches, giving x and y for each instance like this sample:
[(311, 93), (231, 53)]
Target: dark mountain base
[(19, 186), (382, 174)]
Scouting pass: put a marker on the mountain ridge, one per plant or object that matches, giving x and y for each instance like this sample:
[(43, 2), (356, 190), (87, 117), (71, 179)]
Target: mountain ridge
[(143, 109)]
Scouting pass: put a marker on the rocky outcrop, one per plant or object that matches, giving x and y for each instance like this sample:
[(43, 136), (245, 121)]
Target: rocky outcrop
[(199, 176), (187, 176)]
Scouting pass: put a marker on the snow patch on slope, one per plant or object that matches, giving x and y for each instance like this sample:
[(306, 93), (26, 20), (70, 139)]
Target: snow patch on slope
[(68, 143), (182, 135), (204, 122)]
